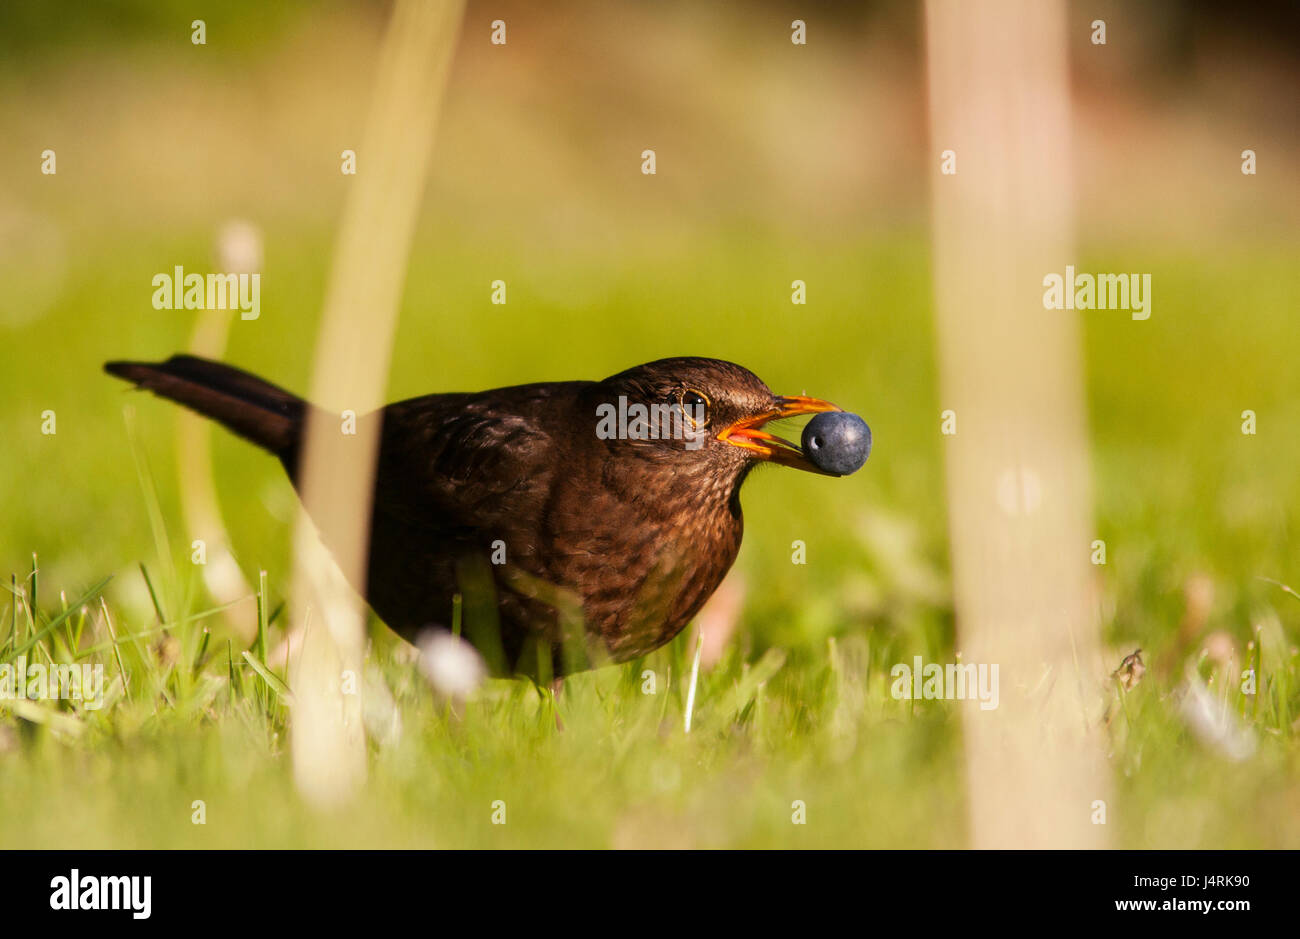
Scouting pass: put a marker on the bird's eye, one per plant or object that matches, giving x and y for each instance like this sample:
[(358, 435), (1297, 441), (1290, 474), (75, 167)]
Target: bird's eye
[(695, 405)]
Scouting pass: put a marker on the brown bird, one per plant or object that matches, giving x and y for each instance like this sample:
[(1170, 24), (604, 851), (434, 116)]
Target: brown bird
[(581, 522)]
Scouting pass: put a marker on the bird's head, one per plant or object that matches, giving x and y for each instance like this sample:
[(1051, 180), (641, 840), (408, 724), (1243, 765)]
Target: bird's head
[(700, 416)]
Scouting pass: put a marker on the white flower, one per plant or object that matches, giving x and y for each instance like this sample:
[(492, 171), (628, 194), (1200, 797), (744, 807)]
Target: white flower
[(452, 666), (1214, 722)]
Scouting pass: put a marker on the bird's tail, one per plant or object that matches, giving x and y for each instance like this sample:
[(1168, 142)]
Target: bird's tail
[(254, 409)]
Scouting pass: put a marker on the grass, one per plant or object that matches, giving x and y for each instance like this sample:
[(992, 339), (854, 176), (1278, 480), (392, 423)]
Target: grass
[(199, 717), (200, 721), (205, 725), (606, 269)]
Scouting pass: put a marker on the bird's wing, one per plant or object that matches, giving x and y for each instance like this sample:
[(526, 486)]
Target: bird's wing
[(463, 462)]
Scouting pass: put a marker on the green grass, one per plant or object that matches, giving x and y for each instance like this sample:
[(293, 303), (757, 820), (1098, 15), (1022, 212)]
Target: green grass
[(817, 725), (1181, 498), (781, 168)]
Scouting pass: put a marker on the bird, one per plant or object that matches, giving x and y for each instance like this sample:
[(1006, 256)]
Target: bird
[(575, 523)]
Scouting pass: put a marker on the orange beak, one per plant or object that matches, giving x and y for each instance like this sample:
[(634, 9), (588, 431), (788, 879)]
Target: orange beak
[(747, 433)]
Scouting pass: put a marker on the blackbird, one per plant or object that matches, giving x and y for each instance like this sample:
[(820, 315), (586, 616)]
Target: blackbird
[(581, 522)]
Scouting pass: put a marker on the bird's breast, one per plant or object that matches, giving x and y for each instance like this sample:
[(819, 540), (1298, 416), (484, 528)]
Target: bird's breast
[(642, 561)]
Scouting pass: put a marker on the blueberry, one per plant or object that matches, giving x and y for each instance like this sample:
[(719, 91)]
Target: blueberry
[(837, 442)]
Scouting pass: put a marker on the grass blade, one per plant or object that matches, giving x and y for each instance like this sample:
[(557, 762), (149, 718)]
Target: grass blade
[(54, 624), (695, 676), (271, 679), (153, 595)]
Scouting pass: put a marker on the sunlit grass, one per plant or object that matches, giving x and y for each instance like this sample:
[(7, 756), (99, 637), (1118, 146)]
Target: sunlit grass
[(1182, 498), (198, 719)]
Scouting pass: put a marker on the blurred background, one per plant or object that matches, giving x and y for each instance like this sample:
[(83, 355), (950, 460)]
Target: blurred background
[(775, 162)]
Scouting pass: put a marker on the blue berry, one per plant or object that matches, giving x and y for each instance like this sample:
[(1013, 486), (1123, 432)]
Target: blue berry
[(837, 442)]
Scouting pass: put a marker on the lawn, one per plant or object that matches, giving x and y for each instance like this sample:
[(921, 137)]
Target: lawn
[(797, 709), (795, 721)]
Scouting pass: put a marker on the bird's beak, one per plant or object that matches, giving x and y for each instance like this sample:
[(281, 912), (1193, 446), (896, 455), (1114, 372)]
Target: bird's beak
[(748, 435)]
